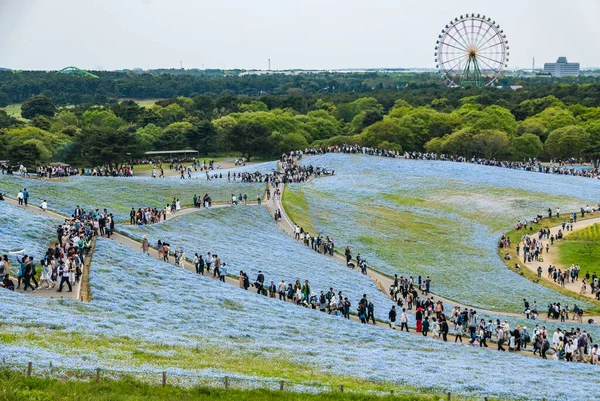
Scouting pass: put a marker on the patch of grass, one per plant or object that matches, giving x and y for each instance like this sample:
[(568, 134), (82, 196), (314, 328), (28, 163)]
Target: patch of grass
[(296, 206), (515, 235), (13, 110), (18, 387), (202, 353), (582, 247), (142, 102)]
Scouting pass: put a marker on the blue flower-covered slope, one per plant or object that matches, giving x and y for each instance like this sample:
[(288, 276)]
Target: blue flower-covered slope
[(130, 299), (247, 239), (119, 195), (439, 219)]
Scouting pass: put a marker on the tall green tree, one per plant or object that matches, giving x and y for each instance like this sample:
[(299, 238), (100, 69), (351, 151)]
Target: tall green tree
[(565, 142), (38, 105), (250, 139), (526, 146), (202, 136)]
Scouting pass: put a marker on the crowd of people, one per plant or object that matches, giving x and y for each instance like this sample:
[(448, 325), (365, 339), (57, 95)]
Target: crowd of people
[(63, 261)]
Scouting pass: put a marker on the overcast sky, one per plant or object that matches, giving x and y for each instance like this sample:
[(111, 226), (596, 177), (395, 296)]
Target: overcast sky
[(309, 34)]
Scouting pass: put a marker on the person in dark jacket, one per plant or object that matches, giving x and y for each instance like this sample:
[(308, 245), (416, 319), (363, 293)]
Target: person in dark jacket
[(425, 326), (7, 283), (392, 317), (444, 329), (371, 312)]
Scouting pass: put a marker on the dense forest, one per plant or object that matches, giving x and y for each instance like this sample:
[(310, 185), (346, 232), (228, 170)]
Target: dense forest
[(266, 115), (417, 88)]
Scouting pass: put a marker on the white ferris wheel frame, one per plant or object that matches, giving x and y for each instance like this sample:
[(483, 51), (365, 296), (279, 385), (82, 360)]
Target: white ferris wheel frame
[(471, 49)]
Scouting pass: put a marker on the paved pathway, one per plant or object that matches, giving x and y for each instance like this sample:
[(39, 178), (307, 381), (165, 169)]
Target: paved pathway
[(134, 245), (383, 281), (551, 258), (42, 291)]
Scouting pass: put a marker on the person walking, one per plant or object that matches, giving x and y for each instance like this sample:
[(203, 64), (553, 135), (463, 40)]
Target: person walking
[(222, 272), (425, 326), (404, 320), (145, 245), (444, 329), (63, 273), (419, 319), (392, 317), (500, 333), (371, 312), (28, 275), (347, 306)]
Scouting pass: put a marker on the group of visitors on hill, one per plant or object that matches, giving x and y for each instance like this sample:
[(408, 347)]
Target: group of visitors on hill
[(63, 261), (555, 166)]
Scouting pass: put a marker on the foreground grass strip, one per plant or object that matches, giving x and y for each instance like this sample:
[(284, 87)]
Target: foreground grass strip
[(18, 387)]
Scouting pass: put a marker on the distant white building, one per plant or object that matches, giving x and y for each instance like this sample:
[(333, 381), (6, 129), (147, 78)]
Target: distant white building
[(561, 68)]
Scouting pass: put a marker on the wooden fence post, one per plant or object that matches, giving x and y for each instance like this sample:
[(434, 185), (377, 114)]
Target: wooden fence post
[(29, 367), (50, 368), (341, 388), (226, 383), (449, 396), (97, 375), (281, 385), (164, 378), (391, 392)]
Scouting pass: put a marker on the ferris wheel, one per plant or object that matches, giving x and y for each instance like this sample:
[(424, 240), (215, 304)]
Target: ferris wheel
[(472, 50)]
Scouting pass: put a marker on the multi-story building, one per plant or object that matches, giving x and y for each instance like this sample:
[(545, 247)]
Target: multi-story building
[(561, 68)]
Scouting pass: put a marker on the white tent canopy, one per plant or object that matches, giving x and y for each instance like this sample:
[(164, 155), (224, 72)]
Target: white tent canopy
[(170, 152)]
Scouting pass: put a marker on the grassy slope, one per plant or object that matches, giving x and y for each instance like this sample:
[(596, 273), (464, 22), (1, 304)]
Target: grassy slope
[(515, 236), (18, 387), (582, 248), (198, 356), (295, 205)]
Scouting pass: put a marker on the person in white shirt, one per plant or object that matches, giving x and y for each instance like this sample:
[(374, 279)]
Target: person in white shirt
[(404, 320), (20, 198), (44, 205), (556, 338), (570, 348)]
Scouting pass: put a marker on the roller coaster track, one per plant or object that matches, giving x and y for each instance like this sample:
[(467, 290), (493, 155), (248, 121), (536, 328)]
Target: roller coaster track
[(71, 70)]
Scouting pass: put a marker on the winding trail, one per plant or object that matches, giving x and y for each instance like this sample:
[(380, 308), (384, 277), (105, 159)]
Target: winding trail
[(383, 281), (551, 258)]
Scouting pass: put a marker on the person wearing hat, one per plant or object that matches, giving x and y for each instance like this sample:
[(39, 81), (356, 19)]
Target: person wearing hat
[(313, 300), (145, 245)]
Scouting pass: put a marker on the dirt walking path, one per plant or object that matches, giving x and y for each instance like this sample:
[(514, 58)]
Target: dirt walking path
[(288, 227), (551, 258), (384, 282)]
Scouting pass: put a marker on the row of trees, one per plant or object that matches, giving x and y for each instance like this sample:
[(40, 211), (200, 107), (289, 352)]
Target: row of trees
[(101, 134), (304, 89)]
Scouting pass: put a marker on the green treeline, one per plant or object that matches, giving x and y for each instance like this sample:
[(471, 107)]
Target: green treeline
[(486, 122)]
